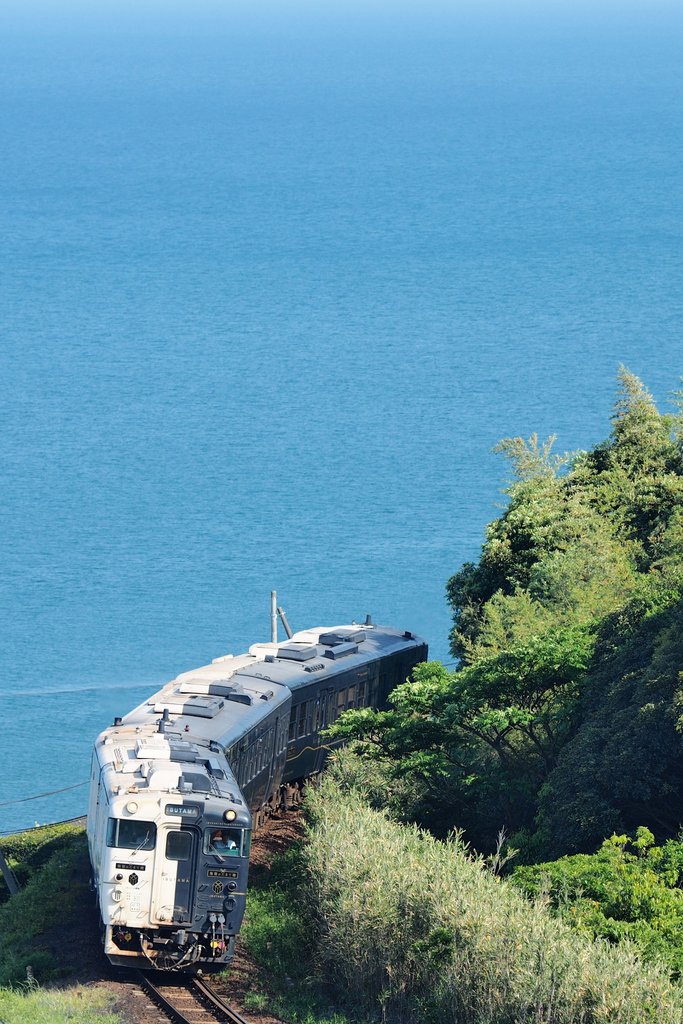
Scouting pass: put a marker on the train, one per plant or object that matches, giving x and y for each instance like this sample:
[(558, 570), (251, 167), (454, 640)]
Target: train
[(178, 784)]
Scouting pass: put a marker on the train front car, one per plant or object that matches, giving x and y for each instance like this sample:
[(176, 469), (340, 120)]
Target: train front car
[(168, 828)]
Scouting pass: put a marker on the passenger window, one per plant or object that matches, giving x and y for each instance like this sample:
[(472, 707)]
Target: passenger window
[(352, 697), (341, 701), (178, 845), (361, 695)]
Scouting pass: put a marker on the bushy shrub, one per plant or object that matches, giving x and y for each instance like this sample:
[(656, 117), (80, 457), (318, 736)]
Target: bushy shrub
[(418, 927), (35, 921), (26, 852), (629, 889)]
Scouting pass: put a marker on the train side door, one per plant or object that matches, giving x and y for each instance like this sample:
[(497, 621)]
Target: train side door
[(327, 712), (175, 869)]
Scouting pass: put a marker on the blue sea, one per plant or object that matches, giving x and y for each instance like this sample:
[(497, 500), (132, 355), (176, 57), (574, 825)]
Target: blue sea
[(275, 278)]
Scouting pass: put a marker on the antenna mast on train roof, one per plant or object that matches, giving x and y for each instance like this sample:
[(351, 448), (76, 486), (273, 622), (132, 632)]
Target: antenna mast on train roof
[(273, 616)]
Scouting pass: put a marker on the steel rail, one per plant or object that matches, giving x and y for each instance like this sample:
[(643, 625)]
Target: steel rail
[(207, 993), (200, 990)]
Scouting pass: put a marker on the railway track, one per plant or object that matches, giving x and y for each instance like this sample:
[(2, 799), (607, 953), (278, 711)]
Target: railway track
[(188, 1000)]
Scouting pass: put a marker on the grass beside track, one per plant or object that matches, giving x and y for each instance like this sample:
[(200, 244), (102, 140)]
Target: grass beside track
[(277, 936), (77, 1005), (391, 925)]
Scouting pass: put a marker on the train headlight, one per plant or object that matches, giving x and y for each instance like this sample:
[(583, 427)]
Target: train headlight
[(230, 815), (131, 807)]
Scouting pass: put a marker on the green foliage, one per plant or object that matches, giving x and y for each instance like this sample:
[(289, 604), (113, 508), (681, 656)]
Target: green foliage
[(630, 889), (279, 936), (623, 764), (409, 928), (26, 852), (481, 738), (563, 721), (34, 922)]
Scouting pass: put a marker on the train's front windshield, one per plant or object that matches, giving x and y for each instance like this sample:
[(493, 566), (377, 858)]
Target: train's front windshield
[(131, 834), (225, 842)]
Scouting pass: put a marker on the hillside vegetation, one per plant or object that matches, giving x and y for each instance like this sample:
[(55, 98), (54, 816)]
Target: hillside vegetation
[(417, 929), (562, 721), (50, 927), (51, 919)]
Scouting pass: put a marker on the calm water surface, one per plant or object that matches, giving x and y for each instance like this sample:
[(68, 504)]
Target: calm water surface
[(272, 286)]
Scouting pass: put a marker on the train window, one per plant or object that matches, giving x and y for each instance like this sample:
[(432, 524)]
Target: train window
[(351, 703), (223, 842), (179, 846), (301, 720), (361, 695), (341, 701), (129, 834), (268, 748), (292, 727)]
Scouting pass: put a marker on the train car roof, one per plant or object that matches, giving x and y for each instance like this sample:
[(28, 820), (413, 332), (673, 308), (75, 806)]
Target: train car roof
[(310, 655), (170, 739), (224, 700)]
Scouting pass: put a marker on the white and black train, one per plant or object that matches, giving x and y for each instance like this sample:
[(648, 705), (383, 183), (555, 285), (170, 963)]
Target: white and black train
[(177, 783)]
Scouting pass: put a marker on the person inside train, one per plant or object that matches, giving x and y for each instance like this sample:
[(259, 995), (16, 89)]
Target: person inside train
[(222, 842)]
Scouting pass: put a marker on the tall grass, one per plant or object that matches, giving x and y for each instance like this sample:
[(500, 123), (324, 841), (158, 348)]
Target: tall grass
[(419, 927), (78, 1005)]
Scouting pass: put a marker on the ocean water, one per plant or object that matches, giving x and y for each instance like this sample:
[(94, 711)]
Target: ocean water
[(275, 278)]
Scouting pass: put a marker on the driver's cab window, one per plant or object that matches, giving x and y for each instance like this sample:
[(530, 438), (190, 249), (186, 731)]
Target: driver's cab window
[(224, 842), (131, 834)]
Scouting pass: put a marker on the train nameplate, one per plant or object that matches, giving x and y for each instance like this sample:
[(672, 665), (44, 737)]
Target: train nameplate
[(130, 867), (221, 873), (182, 811)]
